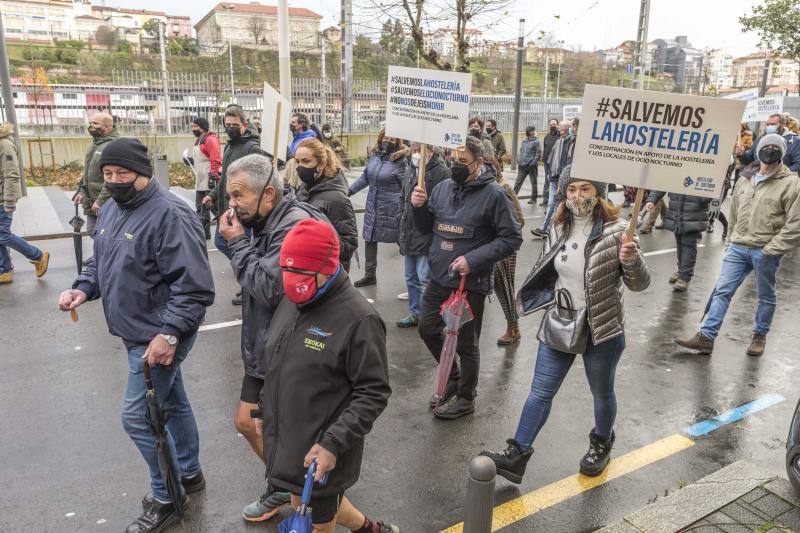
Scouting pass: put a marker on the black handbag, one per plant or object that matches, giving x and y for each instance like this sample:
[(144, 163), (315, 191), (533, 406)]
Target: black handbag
[(563, 327)]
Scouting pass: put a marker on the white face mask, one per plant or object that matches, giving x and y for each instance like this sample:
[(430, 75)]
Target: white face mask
[(415, 158)]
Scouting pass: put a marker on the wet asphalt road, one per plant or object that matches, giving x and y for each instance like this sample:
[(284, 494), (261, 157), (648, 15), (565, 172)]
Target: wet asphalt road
[(67, 465)]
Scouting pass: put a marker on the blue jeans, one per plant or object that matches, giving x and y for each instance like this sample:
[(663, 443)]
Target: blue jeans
[(737, 264), (418, 273), (551, 206), (546, 186), (9, 240), (182, 434), (600, 362), (220, 243)]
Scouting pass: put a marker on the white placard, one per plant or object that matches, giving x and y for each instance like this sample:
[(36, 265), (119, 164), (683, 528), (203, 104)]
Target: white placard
[(428, 106), (659, 141), (760, 109), (571, 111), (274, 123), (749, 94)]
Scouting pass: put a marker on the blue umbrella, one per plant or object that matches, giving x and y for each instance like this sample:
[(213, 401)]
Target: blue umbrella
[(300, 521)]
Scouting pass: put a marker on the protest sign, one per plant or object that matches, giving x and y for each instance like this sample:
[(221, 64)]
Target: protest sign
[(275, 120), (660, 141), (428, 106), (759, 110), (568, 112), (750, 96)]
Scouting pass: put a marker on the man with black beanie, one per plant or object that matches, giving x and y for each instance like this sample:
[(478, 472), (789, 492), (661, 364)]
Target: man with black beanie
[(206, 162), (150, 267)]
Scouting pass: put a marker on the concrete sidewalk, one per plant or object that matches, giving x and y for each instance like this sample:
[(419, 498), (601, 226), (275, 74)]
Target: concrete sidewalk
[(737, 498), (46, 211)]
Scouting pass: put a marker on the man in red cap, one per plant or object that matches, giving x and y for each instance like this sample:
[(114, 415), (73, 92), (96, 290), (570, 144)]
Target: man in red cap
[(326, 379)]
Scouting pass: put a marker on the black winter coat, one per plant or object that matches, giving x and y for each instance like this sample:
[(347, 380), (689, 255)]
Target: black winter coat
[(330, 197), (411, 240), (249, 143), (385, 180), (685, 214), (327, 381), (547, 145), (476, 220)]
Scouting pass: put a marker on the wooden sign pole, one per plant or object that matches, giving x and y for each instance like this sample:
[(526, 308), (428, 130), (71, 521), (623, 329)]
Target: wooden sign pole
[(423, 157), (637, 206), (277, 132)]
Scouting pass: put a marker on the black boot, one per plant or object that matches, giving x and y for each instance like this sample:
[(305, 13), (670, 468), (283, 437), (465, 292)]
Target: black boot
[(156, 517), (449, 391), (599, 454), (366, 281), (510, 462)]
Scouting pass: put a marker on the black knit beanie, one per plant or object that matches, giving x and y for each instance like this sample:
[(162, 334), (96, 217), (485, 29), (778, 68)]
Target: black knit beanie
[(201, 123), (127, 153)]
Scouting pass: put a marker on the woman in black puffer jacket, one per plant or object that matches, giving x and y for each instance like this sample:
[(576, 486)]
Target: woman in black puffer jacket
[(687, 218)]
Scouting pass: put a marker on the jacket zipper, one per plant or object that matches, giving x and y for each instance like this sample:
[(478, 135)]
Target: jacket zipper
[(277, 395)]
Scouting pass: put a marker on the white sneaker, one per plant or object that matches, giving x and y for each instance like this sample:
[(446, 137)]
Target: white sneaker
[(402, 296)]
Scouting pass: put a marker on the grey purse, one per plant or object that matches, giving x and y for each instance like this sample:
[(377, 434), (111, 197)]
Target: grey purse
[(563, 327)]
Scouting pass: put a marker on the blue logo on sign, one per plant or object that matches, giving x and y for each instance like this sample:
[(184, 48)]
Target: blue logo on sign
[(688, 182), (446, 137)]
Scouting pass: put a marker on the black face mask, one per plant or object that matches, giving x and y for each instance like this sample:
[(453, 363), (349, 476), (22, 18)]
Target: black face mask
[(94, 132), (122, 193), (769, 156), (553, 130), (308, 175), (490, 130), (233, 133), (388, 147), (254, 220), (197, 133), (459, 173), (475, 132)]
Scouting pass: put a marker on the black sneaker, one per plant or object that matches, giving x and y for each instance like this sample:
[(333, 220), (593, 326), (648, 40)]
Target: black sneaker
[(538, 232), (510, 462), (366, 281), (449, 391), (156, 517), (455, 408), (193, 484), (599, 454)]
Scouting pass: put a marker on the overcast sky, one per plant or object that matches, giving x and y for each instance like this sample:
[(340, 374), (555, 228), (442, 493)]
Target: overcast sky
[(588, 24)]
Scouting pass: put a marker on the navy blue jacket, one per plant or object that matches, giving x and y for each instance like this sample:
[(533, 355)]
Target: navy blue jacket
[(476, 220), (150, 267), (685, 214), (411, 240), (791, 158), (384, 199)]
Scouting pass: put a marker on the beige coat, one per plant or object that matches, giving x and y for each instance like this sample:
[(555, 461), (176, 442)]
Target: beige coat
[(10, 190), (768, 215)]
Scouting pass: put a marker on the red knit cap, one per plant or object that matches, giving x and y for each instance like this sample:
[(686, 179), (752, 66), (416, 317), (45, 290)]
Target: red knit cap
[(311, 245)]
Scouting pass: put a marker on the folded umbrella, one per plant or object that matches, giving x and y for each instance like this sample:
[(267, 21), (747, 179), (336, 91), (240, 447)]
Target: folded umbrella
[(77, 240), (156, 419), (300, 521), (455, 312)]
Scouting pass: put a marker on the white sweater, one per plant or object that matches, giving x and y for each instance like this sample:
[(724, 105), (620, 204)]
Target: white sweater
[(570, 261)]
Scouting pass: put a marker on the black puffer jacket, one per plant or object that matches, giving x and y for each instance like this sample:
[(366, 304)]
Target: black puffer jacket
[(411, 240), (685, 214), (249, 143), (330, 196)]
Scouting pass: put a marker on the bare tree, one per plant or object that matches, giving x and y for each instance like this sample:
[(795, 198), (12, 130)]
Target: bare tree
[(422, 16), (257, 27)]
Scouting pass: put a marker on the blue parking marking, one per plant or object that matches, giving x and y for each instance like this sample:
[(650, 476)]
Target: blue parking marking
[(707, 426)]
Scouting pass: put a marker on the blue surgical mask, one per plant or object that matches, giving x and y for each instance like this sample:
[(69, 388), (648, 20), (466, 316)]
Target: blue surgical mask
[(771, 128)]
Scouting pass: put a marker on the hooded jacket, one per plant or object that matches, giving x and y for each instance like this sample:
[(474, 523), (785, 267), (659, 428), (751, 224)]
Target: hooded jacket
[(300, 137), (685, 213), (92, 184), (791, 158), (248, 143), (384, 177), (767, 215), (327, 381), (498, 144), (150, 267), (329, 196), (411, 240), (603, 278), (256, 265), (476, 220), (10, 190), (529, 152)]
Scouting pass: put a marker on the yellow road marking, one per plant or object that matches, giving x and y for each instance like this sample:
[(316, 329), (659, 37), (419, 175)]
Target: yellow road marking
[(555, 493)]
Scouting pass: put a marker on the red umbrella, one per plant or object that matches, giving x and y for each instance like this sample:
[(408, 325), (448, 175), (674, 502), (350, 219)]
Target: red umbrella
[(455, 312)]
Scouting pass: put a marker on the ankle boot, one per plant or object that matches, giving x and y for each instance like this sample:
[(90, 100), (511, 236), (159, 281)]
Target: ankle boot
[(599, 454), (511, 462)]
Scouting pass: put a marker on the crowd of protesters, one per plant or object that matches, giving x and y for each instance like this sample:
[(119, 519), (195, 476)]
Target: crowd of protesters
[(287, 225)]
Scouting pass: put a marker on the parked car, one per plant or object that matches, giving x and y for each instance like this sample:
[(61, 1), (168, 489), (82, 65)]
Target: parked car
[(793, 450)]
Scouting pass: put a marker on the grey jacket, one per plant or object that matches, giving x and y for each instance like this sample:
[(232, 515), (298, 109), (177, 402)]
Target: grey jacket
[(256, 265), (603, 278), (529, 151)]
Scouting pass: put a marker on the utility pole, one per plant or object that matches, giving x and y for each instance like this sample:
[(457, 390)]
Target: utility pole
[(324, 88), (546, 73), (230, 64), (8, 100), (641, 43), (347, 65), (765, 74), (517, 94), (162, 28), (558, 80), (284, 65)]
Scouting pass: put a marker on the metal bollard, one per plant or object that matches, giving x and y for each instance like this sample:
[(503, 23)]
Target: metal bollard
[(162, 169), (479, 501)]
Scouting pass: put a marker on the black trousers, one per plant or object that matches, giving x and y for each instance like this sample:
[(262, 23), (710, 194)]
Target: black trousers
[(203, 212), (431, 329), (370, 259), (687, 253), (523, 172)]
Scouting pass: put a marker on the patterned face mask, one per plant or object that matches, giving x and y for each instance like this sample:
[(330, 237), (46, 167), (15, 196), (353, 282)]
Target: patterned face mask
[(580, 206)]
